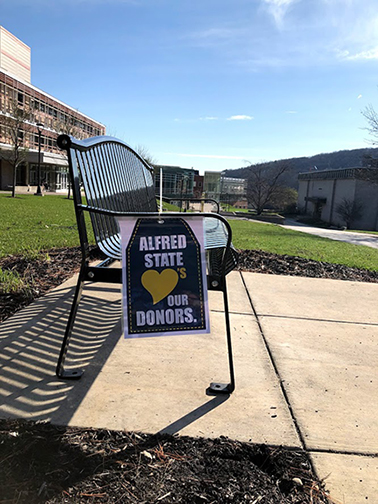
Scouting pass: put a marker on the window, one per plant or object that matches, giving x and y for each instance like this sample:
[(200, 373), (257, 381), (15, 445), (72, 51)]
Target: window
[(20, 98), (20, 175)]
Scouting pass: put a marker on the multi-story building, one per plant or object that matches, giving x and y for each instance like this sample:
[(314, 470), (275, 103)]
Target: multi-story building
[(177, 182), (198, 186), (233, 189), (224, 189), (43, 118), (212, 184)]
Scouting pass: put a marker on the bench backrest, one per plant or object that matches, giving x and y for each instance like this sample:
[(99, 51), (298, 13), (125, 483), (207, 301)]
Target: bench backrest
[(114, 177)]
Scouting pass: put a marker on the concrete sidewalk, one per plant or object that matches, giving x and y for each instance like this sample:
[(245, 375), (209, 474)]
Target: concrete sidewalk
[(367, 239), (306, 364)]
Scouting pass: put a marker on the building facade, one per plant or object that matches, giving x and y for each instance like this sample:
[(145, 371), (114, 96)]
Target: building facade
[(177, 182), (198, 186), (233, 192), (212, 184), (321, 192), (30, 121), (224, 189)]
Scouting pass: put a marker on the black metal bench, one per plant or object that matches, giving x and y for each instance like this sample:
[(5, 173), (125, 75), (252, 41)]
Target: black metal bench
[(117, 181)]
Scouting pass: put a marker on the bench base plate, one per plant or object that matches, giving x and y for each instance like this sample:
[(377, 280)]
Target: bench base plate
[(71, 374), (219, 388)]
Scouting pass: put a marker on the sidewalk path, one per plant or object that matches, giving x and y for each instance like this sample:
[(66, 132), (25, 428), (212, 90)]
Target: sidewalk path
[(306, 364), (369, 240)]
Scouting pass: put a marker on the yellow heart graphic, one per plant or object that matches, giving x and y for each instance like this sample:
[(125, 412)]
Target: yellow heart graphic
[(159, 285)]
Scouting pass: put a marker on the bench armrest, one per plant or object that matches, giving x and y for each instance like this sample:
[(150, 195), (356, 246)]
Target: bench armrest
[(116, 213), (213, 242), (196, 200)]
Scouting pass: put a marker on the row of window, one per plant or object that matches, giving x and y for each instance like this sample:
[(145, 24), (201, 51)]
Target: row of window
[(30, 140), (63, 117), (58, 118)]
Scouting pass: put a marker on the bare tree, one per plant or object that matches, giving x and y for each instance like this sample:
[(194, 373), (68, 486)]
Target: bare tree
[(17, 123), (349, 210), (370, 174), (66, 125), (264, 183), (145, 154), (371, 117)]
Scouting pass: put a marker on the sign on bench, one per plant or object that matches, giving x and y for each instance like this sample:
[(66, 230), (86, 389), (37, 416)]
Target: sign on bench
[(164, 276)]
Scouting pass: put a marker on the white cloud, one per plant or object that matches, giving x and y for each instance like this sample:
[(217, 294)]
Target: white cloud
[(291, 112), (240, 118), (309, 33), (369, 54), (216, 37), (209, 118), (364, 55), (278, 9), (359, 96)]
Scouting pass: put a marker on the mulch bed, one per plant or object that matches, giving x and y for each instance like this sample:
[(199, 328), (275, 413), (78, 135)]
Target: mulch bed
[(265, 262), (42, 275), (44, 463)]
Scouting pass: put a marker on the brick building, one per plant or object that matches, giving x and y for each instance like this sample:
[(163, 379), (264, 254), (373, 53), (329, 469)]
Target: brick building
[(18, 95)]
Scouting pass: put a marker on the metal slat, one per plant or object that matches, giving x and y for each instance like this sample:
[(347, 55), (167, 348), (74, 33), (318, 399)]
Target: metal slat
[(116, 178)]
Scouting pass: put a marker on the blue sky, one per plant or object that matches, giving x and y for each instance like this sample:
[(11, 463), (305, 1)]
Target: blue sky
[(209, 84)]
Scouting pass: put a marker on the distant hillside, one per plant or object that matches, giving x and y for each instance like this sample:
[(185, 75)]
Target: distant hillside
[(334, 160)]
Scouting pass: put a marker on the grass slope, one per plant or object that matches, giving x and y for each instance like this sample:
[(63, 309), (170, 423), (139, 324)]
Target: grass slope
[(271, 238), (29, 224)]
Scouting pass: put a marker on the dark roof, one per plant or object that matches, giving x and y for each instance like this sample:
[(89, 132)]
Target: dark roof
[(344, 173)]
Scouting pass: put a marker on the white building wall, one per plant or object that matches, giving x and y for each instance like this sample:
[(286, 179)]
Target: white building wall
[(343, 188), (15, 56), (367, 194), (302, 192), (334, 191)]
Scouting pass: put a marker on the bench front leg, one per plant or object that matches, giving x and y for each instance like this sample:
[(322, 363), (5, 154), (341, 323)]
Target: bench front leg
[(225, 388), (71, 374)]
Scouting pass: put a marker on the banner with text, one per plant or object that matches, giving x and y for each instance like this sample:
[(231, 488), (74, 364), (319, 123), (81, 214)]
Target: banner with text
[(164, 276)]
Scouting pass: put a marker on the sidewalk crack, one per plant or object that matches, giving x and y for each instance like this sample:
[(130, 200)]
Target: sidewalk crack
[(281, 382)]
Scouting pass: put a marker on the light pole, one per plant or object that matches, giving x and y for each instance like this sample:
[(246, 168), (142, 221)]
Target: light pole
[(39, 190)]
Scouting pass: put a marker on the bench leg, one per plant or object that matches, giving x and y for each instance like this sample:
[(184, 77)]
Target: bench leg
[(225, 388), (71, 374)]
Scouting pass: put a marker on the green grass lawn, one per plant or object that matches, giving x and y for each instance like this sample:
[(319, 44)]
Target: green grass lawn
[(273, 238), (230, 208), (169, 207), (29, 223)]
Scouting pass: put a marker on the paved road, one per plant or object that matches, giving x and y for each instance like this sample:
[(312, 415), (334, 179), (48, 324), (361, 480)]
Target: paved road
[(369, 240)]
